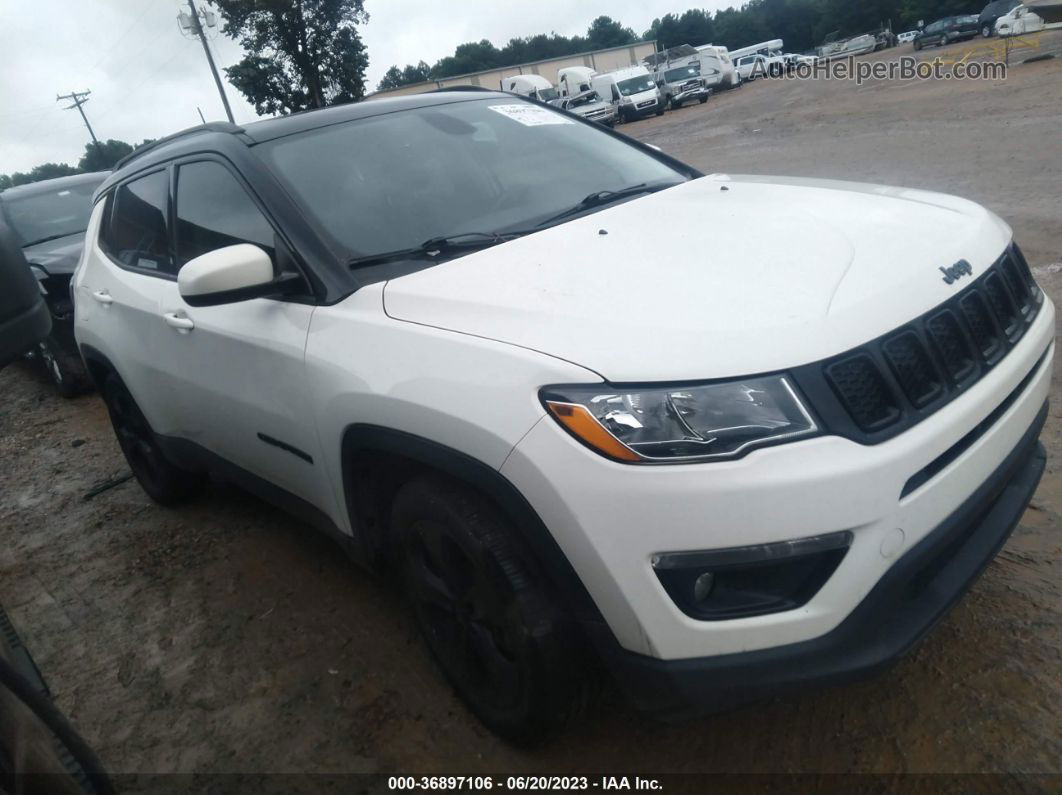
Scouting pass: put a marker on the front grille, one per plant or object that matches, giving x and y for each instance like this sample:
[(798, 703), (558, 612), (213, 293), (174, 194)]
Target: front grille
[(900, 378)]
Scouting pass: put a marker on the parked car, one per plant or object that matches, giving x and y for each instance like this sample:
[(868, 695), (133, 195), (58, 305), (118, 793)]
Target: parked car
[(1018, 22), (590, 106), (683, 84), (426, 324), (24, 317), (986, 21), (49, 220), (632, 90), (750, 67), (947, 31), (908, 37)]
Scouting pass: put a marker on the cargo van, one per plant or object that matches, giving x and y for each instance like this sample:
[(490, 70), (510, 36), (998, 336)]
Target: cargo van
[(633, 90), (534, 86)]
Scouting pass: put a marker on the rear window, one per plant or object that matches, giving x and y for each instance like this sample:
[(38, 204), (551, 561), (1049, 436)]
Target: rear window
[(137, 234)]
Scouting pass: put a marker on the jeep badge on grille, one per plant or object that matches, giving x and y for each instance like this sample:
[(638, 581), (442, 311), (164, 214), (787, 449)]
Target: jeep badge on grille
[(955, 272)]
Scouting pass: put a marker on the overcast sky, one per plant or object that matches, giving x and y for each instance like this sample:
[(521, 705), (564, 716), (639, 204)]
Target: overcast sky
[(147, 79)]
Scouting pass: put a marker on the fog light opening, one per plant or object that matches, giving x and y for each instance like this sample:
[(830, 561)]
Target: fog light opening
[(702, 587)]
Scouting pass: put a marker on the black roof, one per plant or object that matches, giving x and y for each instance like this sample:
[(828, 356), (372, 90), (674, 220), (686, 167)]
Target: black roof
[(52, 185), (204, 136)]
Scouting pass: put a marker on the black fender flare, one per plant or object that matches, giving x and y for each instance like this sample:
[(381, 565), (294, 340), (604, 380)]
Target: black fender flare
[(365, 440)]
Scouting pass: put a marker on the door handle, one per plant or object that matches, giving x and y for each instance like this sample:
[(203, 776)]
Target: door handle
[(179, 322), (103, 297)]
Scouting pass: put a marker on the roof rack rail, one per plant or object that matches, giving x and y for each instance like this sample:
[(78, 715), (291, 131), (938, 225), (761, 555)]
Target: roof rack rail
[(469, 87), (212, 126)]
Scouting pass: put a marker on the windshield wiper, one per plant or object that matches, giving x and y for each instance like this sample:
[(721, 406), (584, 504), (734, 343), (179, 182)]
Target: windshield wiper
[(436, 246), (602, 197)]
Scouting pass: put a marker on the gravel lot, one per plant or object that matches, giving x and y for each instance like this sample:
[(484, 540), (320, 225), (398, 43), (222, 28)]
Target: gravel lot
[(225, 637)]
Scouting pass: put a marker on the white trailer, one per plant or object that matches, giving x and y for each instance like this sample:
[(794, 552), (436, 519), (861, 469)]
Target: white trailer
[(764, 48)]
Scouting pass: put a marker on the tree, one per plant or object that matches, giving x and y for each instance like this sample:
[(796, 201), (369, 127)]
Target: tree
[(392, 79), (395, 77), (300, 54), (605, 32), (36, 174), (103, 156)]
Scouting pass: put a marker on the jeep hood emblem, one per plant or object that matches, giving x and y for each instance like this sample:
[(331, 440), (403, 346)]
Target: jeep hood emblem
[(955, 272)]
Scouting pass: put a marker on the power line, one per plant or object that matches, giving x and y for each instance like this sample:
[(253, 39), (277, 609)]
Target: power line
[(103, 57)]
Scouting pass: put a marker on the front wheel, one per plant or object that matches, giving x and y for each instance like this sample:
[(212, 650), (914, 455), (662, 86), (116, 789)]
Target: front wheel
[(485, 611), (702, 100), (675, 105), (163, 482), (660, 110), (986, 31)]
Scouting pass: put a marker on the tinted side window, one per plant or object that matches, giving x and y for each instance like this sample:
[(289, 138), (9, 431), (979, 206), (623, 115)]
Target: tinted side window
[(214, 211), (138, 235)]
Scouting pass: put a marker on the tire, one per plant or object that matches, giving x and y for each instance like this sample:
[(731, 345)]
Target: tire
[(660, 110), (986, 31), (917, 44), (63, 367), (164, 482), (675, 105), (702, 100), (485, 612)]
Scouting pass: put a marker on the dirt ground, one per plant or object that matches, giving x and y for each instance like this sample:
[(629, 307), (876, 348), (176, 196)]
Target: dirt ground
[(223, 636)]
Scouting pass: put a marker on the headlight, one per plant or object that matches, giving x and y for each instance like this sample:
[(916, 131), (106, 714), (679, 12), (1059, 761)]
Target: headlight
[(682, 423)]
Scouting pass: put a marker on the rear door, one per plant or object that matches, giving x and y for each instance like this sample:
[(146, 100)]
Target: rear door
[(128, 265), (239, 367)]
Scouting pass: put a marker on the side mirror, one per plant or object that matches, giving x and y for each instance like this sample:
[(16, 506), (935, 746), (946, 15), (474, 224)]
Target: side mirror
[(227, 275)]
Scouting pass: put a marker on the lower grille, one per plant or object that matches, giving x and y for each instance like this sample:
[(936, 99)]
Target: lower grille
[(897, 380)]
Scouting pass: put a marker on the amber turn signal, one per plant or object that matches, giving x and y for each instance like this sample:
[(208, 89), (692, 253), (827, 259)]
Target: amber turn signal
[(582, 424)]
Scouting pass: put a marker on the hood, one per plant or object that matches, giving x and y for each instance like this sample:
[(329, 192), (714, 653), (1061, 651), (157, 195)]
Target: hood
[(722, 276), (597, 106), (57, 256)]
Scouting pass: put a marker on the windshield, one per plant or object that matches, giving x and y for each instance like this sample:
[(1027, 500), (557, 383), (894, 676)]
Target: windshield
[(635, 85), (392, 181), (683, 73), (968, 20), (46, 216), (546, 94)]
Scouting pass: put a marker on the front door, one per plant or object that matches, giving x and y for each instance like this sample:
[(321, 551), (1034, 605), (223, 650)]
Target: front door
[(239, 367)]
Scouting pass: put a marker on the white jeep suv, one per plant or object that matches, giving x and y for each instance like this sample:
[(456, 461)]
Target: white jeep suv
[(770, 454)]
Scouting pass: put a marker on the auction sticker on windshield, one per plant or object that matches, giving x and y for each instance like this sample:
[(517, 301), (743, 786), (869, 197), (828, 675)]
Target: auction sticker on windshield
[(530, 115)]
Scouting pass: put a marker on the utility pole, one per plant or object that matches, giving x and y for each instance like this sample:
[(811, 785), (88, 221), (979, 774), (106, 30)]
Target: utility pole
[(79, 98), (195, 26)]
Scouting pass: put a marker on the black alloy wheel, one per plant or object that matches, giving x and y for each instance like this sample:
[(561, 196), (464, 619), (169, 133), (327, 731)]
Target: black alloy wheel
[(485, 614), (163, 482)]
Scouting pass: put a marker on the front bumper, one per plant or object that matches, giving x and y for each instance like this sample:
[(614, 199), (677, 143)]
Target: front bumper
[(904, 605), (635, 112), (611, 519)]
